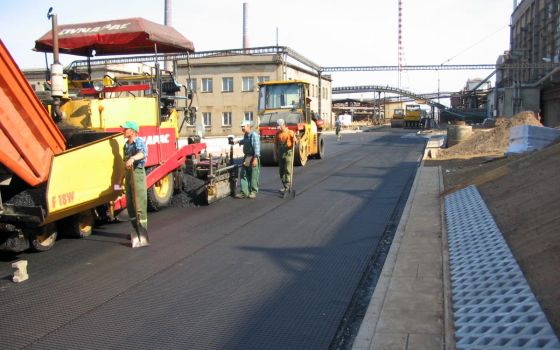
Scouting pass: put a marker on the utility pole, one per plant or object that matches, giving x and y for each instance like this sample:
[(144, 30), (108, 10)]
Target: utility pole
[(400, 47)]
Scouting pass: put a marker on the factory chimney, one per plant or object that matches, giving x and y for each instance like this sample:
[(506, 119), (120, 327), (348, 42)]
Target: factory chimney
[(167, 21), (245, 25)]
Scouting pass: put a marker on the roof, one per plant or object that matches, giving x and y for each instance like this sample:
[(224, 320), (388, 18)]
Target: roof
[(283, 82), (116, 37)]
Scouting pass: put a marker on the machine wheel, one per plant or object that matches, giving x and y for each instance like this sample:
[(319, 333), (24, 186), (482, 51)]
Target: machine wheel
[(321, 147), (79, 225), (160, 194), (300, 156), (43, 238)]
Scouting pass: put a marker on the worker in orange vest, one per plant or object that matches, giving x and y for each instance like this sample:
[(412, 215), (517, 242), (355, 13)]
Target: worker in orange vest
[(284, 153)]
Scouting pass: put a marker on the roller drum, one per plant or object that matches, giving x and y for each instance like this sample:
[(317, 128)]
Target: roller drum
[(267, 154)]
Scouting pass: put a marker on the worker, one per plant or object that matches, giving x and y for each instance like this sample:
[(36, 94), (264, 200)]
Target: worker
[(337, 125), (284, 153), (135, 155), (249, 175)]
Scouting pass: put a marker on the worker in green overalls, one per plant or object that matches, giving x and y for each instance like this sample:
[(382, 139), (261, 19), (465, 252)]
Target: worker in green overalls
[(249, 175), (284, 142), (135, 155)]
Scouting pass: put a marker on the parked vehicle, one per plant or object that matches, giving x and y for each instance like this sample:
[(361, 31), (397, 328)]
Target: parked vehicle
[(398, 118)]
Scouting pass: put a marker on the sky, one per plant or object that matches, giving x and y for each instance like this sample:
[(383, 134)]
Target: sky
[(328, 32)]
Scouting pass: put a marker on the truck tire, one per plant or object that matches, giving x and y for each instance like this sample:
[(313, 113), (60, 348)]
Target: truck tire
[(43, 238), (160, 194), (300, 155), (79, 225)]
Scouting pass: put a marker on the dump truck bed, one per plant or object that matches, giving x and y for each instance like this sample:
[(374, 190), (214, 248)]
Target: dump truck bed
[(29, 138)]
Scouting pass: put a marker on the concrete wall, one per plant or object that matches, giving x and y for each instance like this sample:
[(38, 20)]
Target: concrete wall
[(518, 100), (551, 107)]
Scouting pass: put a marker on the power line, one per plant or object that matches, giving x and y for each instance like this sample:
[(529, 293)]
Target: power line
[(473, 45)]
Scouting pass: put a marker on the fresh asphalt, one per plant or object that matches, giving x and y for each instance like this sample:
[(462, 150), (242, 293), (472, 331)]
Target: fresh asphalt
[(239, 274)]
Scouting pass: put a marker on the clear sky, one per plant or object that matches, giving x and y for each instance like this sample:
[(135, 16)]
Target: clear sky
[(329, 32)]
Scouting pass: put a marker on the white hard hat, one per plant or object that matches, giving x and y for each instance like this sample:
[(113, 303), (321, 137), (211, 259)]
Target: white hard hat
[(280, 122)]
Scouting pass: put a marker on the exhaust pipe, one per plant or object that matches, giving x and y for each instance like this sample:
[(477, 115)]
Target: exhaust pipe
[(57, 79)]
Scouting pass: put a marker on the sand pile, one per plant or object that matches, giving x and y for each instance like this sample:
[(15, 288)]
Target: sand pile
[(489, 142)]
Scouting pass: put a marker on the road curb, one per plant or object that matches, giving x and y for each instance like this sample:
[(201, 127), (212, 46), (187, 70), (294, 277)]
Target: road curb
[(369, 324), (449, 328)]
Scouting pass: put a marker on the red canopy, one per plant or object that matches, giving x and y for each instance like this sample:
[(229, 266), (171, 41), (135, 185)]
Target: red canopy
[(118, 37)]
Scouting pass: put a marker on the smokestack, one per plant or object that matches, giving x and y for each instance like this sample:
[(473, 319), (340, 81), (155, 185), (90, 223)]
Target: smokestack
[(167, 21), (245, 25)]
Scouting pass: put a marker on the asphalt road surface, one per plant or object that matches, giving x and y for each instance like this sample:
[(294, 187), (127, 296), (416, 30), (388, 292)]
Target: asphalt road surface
[(268, 273)]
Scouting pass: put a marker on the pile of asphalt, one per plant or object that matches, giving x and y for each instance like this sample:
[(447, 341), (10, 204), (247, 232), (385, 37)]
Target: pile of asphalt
[(31, 197), (191, 194)]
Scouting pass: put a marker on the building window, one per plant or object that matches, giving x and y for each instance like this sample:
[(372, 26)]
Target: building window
[(249, 116), (207, 118), (191, 83), (262, 79), (227, 84), (248, 84), (226, 119), (206, 85)]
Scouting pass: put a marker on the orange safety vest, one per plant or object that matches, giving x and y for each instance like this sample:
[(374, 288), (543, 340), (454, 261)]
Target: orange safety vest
[(285, 137)]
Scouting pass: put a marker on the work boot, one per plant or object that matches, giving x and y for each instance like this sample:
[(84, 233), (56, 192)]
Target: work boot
[(144, 241), (135, 240)]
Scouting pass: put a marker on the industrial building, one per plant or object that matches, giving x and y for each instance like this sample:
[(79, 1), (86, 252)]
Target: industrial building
[(530, 76)]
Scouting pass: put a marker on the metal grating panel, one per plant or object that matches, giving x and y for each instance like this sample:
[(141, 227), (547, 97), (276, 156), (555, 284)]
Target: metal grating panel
[(493, 306)]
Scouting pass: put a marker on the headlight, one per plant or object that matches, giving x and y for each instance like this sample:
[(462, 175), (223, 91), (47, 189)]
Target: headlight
[(98, 86)]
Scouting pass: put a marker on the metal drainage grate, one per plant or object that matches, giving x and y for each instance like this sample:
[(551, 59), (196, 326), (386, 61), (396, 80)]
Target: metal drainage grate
[(493, 306)]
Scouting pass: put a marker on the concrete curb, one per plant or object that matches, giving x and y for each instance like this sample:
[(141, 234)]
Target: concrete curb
[(368, 327), (449, 328)]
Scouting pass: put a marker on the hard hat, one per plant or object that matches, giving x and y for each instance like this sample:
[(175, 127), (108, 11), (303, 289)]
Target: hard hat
[(129, 124), (245, 122), (280, 122)]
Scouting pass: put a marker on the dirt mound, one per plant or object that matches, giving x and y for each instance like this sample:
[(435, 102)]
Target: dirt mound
[(489, 142), (524, 203)]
